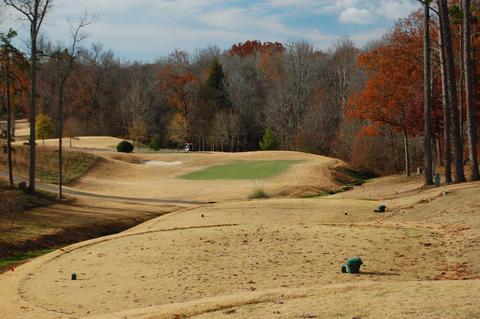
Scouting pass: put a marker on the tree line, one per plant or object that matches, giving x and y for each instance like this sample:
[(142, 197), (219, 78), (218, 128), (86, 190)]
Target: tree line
[(405, 100)]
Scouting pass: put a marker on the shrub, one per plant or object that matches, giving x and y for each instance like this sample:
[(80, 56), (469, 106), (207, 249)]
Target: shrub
[(258, 193), (43, 127), (125, 147), (154, 144), (268, 142)]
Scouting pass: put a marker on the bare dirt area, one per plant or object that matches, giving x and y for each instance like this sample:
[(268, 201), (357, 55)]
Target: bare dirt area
[(62, 223), (277, 258), (233, 258)]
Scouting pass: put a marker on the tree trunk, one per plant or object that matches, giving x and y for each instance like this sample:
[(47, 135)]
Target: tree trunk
[(427, 142), (394, 153), (438, 151), (452, 89), (60, 143), (33, 92), (446, 111), (461, 82), (407, 153), (9, 121), (469, 94)]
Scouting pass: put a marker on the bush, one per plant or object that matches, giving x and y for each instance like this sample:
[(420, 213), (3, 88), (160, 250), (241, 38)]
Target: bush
[(268, 142), (154, 144), (258, 194), (44, 127), (125, 147)]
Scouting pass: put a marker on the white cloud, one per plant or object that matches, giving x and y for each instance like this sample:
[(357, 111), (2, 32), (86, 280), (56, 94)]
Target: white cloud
[(390, 9), (243, 19), (150, 28), (356, 16), (393, 10)]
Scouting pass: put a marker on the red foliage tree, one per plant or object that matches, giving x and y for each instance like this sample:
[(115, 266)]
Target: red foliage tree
[(250, 47), (393, 93)]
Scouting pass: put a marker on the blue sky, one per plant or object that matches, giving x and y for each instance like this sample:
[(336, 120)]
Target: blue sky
[(148, 29)]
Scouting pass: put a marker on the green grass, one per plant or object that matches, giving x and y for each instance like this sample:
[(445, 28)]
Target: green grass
[(14, 260), (243, 170)]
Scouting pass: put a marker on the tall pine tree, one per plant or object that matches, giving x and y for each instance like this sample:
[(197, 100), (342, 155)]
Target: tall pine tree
[(216, 86)]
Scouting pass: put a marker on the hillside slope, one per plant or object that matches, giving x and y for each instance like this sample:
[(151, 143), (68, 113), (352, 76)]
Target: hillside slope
[(277, 258)]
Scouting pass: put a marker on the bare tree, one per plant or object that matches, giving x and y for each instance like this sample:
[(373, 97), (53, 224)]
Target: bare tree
[(64, 65), (301, 72), (344, 78), (35, 12), (247, 95), (469, 94), (137, 100), (344, 59), (227, 129)]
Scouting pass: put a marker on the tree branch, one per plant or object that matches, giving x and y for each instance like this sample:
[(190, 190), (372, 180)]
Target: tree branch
[(427, 2)]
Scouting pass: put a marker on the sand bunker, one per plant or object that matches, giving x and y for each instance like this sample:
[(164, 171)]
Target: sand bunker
[(162, 163)]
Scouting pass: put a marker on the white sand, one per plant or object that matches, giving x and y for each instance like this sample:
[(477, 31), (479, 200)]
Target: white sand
[(161, 163)]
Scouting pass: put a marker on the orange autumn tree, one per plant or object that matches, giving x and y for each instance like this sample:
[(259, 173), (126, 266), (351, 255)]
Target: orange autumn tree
[(392, 97), (181, 87)]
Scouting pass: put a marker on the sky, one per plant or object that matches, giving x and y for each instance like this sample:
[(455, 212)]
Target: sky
[(145, 30)]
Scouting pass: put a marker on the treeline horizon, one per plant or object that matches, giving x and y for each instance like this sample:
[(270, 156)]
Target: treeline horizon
[(365, 105)]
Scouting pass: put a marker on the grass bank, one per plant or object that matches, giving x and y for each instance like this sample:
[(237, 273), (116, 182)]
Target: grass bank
[(22, 257), (75, 164)]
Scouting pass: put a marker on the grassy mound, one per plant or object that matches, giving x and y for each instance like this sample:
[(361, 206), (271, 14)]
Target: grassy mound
[(243, 170), (75, 164)]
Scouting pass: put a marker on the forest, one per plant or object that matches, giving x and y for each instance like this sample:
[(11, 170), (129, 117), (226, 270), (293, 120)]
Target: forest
[(406, 100)]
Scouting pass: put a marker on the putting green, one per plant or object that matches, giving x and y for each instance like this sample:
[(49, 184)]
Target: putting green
[(243, 170)]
